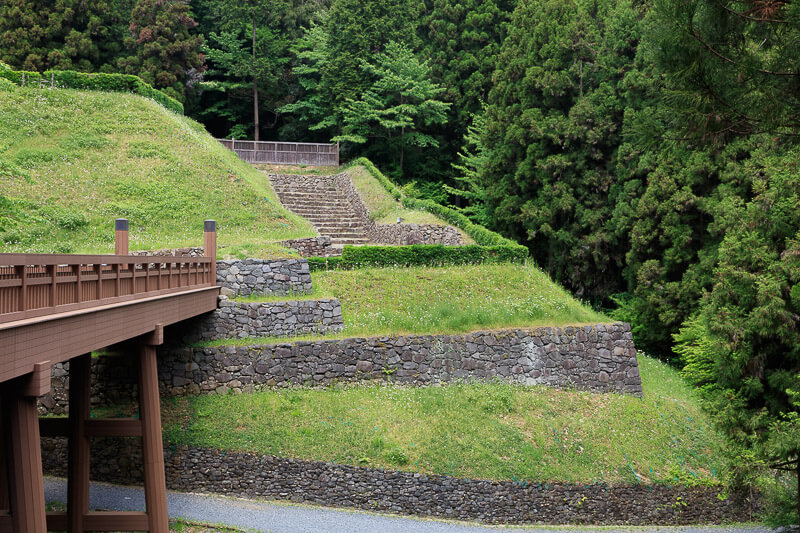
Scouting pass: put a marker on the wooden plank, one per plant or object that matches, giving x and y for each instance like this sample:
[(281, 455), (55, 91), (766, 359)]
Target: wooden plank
[(80, 375), (113, 427), (54, 427), (57, 521), (25, 463), (155, 484), (116, 521)]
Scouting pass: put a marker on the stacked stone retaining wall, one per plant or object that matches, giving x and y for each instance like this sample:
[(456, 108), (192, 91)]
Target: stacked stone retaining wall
[(501, 502), (600, 358), (266, 319), (313, 246), (279, 277)]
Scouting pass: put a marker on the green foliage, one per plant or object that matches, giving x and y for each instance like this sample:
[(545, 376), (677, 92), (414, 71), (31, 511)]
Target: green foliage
[(553, 127), (165, 49), (731, 65), (430, 255), (481, 235), (399, 106), (744, 346), (68, 79), (63, 35)]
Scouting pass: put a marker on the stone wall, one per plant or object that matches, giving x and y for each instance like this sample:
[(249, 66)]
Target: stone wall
[(265, 319), (402, 234), (193, 251), (599, 358), (313, 246), (273, 478), (279, 277)]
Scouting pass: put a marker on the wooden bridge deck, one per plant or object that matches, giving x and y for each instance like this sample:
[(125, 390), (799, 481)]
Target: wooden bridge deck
[(56, 308)]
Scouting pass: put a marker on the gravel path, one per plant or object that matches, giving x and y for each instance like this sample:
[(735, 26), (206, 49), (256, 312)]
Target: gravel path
[(287, 518)]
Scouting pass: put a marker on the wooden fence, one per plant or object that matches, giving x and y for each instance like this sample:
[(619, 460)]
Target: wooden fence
[(33, 285), (285, 153)]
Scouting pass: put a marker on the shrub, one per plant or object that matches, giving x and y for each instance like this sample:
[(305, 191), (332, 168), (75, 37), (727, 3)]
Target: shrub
[(71, 79), (480, 234), (419, 255)]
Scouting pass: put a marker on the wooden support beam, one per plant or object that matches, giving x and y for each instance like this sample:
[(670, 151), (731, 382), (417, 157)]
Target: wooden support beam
[(114, 427), (155, 485), (6, 522), (24, 461), (4, 502), (38, 382), (121, 236), (54, 427), (100, 521), (80, 373)]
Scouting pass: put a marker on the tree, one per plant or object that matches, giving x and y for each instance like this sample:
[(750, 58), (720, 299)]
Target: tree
[(733, 65), (743, 348), (398, 107), (250, 49), (461, 40), (166, 50), (553, 127), (63, 34)]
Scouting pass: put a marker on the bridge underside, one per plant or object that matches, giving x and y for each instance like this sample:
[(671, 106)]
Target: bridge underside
[(29, 348)]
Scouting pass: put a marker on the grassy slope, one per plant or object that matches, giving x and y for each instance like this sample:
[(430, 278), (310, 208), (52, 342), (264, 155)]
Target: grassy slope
[(72, 161), (389, 301), (490, 431), (384, 209)]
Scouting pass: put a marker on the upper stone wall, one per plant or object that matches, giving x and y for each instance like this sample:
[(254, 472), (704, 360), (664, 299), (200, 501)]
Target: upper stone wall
[(279, 277)]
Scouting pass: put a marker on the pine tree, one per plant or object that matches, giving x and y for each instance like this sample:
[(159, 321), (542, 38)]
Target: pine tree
[(553, 127), (166, 49)]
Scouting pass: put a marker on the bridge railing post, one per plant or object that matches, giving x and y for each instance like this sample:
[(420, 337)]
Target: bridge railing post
[(121, 236), (210, 247)]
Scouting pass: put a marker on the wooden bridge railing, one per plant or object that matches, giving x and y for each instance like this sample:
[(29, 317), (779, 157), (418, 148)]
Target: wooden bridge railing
[(34, 285), (285, 153)]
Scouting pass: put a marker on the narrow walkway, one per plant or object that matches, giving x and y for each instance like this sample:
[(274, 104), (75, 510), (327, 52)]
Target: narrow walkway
[(287, 518)]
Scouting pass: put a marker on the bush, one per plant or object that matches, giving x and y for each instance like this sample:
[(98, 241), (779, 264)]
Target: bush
[(419, 255), (70, 79)]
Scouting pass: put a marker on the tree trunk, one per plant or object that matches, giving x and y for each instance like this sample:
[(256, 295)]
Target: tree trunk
[(255, 89)]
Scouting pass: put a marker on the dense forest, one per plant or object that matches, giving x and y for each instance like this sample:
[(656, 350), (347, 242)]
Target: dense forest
[(646, 151)]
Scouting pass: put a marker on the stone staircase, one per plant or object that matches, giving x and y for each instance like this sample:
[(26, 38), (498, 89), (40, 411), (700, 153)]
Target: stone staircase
[(318, 200)]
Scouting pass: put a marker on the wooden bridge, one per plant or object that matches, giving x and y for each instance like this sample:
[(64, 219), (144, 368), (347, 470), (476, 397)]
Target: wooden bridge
[(56, 308), (285, 153)]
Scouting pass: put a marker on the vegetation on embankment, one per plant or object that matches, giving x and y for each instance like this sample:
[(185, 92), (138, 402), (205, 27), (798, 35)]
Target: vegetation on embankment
[(422, 300), (71, 162), (475, 430)]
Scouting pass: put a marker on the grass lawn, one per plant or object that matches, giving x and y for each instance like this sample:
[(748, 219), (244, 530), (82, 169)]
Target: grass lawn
[(420, 300), (72, 161), (488, 431), (384, 209)]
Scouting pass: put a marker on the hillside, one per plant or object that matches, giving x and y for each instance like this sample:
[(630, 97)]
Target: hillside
[(488, 431), (71, 162)]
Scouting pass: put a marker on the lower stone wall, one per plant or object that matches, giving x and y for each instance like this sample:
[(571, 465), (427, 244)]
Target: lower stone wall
[(266, 319), (600, 358), (279, 277), (313, 246), (403, 234), (501, 502)]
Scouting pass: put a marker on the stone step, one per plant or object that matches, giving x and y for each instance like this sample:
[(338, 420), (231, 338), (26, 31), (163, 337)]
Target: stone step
[(305, 192), (313, 198)]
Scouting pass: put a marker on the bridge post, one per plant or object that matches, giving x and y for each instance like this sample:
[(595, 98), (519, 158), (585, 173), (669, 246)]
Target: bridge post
[(155, 484), (78, 467), (121, 236), (210, 247), (24, 466)]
